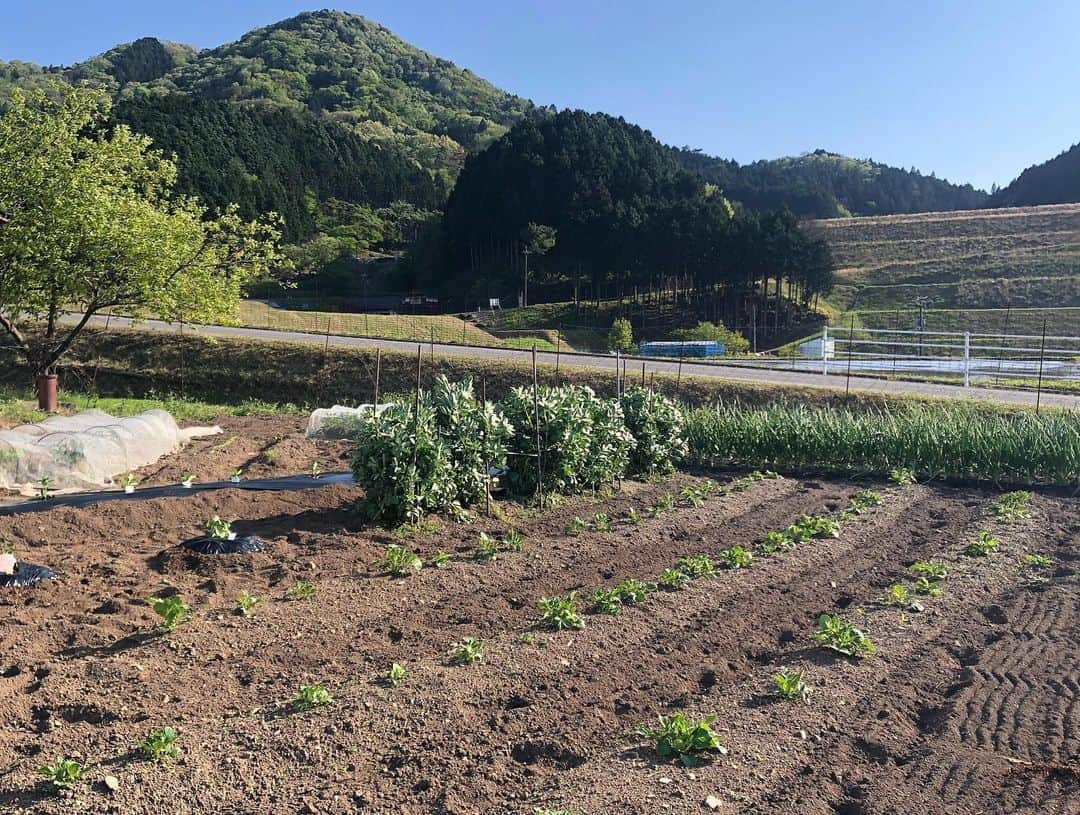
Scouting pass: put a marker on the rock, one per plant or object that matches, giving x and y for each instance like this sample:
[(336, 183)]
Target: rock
[(722, 750), (665, 780), (712, 802), (112, 782)]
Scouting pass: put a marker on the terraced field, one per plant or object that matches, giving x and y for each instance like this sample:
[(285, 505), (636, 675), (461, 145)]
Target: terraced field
[(968, 705), (1023, 258)]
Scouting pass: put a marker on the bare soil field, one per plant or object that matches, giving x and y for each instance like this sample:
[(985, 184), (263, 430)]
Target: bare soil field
[(968, 706)]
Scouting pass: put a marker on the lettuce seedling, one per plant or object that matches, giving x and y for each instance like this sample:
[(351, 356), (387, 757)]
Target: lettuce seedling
[(64, 774), (467, 651), (246, 602), (789, 683), (560, 613), (929, 568), (395, 675), (606, 601), (172, 610), (696, 565), (400, 562), (161, 744), (985, 546), (735, 558), (301, 591), (842, 637), (673, 579), (681, 738), (217, 528), (311, 696)]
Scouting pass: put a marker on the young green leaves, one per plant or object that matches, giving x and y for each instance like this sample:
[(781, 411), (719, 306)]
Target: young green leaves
[(309, 697), (172, 610), (467, 651), (400, 562), (161, 744), (842, 637), (681, 738), (790, 684), (560, 613), (64, 774), (984, 546)]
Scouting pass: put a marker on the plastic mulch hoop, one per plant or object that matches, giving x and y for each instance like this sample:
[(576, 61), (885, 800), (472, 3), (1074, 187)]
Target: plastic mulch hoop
[(26, 574), (207, 545)]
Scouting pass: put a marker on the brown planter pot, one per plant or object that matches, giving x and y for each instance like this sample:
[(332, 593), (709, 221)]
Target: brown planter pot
[(46, 391)]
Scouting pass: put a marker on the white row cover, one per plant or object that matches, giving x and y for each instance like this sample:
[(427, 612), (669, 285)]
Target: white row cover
[(87, 450), (338, 422)]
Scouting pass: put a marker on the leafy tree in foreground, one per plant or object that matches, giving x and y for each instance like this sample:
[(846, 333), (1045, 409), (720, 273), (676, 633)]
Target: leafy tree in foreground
[(621, 335), (88, 222)]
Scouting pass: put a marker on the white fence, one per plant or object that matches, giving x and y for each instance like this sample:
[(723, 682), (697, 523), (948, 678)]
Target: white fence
[(967, 357)]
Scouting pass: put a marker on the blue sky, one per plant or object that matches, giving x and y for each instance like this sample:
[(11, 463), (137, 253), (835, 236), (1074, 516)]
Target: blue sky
[(973, 91)]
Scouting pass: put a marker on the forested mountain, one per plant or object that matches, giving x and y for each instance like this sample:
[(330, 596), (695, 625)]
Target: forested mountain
[(1056, 181), (611, 209), (828, 185), (275, 159)]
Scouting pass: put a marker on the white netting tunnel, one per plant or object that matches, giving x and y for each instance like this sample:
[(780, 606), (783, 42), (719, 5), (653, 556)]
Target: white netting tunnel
[(87, 450), (338, 422)]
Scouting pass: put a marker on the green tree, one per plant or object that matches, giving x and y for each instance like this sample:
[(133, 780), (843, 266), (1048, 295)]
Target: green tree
[(88, 222), (621, 335)]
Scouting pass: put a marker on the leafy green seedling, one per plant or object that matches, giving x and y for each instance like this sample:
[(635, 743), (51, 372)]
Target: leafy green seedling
[(928, 587), (129, 482), (690, 497), (842, 637), (776, 542), (601, 522), (665, 503), (681, 738), (64, 774), (1037, 560), (395, 675), (932, 569), (673, 579), (985, 546), (527, 638), (172, 610), (236, 475), (316, 469), (813, 526), (302, 590), (898, 595), (400, 562), (632, 517), (864, 500), (487, 548), (439, 559), (1013, 506), (309, 697), (44, 487), (606, 601), (187, 479), (467, 651), (902, 476), (735, 558), (576, 526), (161, 744), (513, 541), (696, 565), (217, 528), (631, 591), (246, 602), (560, 613), (789, 683)]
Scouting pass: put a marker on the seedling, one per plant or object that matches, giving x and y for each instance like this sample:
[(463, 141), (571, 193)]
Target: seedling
[(632, 517), (576, 526), (902, 476), (172, 610), (161, 744), (632, 591), (1013, 506), (776, 542), (1037, 560), (316, 469), (236, 475), (789, 683), (735, 558), (527, 638), (928, 587), (930, 568), (863, 500), (691, 497), (309, 697), (813, 526), (217, 528), (301, 591), (487, 548), (560, 613), (129, 482), (246, 602), (513, 541), (898, 595), (606, 601), (842, 637), (696, 565), (681, 738), (707, 488), (64, 774), (985, 546), (467, 651), (665, 503), (439, 559), (186, 480), (396, 673), (400, 562), (673, 579), (44, 485), (601, 522)]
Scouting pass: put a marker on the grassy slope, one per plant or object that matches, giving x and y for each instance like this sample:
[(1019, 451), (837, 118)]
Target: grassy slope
[(1027, 258)]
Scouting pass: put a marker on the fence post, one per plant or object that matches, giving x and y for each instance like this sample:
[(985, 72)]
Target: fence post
[(825, 351), (618, 381), (967, 359), (1042, 358)]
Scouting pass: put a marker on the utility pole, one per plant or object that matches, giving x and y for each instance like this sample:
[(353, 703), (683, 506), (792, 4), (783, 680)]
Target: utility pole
[(525, 280)]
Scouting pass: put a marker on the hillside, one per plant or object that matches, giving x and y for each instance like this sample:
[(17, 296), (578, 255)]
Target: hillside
[(1019, 258), (827, 185), (1056, 181)]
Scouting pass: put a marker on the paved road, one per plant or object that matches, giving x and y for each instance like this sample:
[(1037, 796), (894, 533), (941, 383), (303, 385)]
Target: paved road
[(600, 361)]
